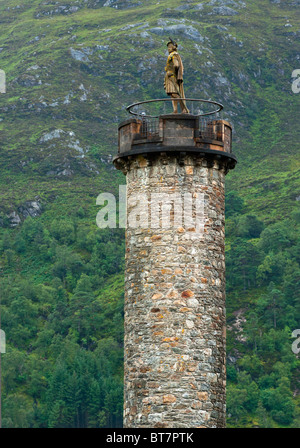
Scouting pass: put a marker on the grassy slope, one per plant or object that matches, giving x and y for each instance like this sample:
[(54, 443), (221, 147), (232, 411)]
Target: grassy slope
[(258, 95)]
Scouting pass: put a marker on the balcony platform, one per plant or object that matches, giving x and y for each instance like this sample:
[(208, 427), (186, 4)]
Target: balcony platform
[(178, 134)]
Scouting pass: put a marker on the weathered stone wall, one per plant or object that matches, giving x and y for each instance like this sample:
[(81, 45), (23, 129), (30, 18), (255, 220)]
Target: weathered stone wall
[(175, 303)]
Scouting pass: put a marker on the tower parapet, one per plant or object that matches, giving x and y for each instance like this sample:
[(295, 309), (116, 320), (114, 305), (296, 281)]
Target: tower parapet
[(175, 327), (203, 135)]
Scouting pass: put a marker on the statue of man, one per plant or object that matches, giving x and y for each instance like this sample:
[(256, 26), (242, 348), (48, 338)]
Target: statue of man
[(173, 83)]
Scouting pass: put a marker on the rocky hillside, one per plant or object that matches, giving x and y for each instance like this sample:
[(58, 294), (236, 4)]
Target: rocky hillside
[(72, 67)]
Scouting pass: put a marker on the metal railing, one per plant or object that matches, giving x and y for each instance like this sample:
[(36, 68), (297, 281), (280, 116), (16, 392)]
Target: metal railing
[(150, 127), (157, 107), (211, 128), (148, 112)]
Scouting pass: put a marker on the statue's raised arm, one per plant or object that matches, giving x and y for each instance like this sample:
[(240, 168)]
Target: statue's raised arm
[(173, 84)]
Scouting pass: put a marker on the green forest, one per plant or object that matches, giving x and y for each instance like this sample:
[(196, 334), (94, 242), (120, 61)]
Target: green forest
[(71, 70)]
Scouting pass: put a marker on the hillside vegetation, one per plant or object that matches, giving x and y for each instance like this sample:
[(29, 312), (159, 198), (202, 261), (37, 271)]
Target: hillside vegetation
[(72, 67)]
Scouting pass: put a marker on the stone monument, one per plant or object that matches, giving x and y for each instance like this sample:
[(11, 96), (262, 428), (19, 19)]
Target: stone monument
[(175, 326)]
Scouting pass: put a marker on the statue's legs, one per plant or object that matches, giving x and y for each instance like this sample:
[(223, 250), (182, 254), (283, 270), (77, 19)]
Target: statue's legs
[(184, 109), (175, 103)]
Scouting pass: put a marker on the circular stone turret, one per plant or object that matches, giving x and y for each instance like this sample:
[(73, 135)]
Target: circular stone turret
[(175, 327)]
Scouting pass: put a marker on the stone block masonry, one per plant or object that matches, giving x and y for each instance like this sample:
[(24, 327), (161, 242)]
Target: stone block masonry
[(175, 373), (175, 333)]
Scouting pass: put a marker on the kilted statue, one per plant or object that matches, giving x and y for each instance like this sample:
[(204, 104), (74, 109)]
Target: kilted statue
[(174, 78)]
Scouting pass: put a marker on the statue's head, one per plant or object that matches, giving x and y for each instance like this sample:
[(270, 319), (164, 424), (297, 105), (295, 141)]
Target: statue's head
[(172, 45)]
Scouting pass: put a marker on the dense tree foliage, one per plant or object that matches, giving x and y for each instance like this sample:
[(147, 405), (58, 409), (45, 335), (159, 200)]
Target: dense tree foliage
[(263, 303), (62, 309)]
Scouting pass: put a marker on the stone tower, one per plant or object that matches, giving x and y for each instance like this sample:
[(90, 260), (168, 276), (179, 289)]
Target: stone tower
[(175, 328)]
